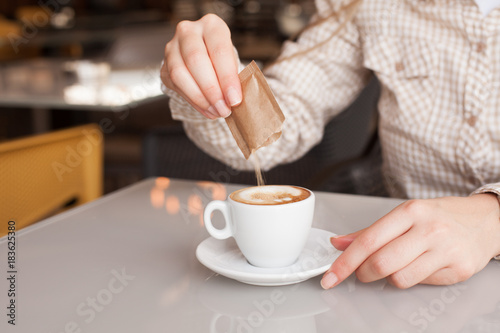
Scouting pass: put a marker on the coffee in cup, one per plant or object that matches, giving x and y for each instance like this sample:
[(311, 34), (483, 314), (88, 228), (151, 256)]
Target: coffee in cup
[(270, 195), (270, 223)]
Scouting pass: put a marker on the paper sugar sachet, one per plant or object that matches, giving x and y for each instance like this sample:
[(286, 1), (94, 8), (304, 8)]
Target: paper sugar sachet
[(258, 120)]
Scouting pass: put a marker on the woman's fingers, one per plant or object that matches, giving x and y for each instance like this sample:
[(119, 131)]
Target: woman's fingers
[(341, 242), (180, 79), (434, 241), (366, 243), (393, 257), (201, 65), (417, 271), (217, 38), (196, 57), (453, 273), (209, 113)]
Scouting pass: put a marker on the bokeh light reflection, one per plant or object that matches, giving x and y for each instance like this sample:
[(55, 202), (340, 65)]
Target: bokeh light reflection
[(172, 205)]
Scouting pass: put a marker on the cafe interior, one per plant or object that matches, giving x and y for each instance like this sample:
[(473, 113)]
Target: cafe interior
[(72, 63), (102, 194)]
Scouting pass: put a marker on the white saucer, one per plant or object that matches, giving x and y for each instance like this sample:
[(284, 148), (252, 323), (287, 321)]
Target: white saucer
[(224, 257)]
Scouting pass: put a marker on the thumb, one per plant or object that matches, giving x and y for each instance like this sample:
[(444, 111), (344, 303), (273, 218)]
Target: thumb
[(341, 242)]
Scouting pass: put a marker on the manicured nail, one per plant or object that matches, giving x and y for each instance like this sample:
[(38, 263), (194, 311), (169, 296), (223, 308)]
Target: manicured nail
[(338, 236), (329, 280), (213, 112), (222, 108), (233, 96)]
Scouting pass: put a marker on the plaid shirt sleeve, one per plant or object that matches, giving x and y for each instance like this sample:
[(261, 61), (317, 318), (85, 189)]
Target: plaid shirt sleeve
[(310, 89)]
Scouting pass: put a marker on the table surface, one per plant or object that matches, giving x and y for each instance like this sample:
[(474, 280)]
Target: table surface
[(126, 263)]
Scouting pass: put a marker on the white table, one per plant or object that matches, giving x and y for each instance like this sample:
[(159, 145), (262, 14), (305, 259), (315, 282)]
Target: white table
[(126, 263)]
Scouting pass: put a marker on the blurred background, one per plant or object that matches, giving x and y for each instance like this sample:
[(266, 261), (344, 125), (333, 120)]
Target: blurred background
[(65, 63)]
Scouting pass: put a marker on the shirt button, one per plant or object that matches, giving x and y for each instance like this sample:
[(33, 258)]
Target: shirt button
[(480, 47), (399, 66), (472, 120)]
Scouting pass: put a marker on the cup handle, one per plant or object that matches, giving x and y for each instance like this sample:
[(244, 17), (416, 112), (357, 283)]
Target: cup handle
[(223, 206)]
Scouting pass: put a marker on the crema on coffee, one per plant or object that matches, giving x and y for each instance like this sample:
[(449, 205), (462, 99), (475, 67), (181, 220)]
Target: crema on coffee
[(270, 195)]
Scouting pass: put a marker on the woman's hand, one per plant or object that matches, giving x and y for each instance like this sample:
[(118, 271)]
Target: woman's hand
[(201, 65), (435, 241)]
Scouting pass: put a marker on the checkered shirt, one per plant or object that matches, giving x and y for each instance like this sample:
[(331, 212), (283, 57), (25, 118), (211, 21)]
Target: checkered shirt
[(438, 63)]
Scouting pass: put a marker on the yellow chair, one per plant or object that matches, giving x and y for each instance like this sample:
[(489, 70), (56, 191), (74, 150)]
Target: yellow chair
[(43, 174)]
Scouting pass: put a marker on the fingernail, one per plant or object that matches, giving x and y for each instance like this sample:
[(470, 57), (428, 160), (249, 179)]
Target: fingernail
[(338, 236), (233, 96), (212, 111), (329, 280), (222, 108)]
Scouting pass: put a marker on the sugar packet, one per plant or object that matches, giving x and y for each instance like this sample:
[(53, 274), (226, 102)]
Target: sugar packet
[(258, 120)]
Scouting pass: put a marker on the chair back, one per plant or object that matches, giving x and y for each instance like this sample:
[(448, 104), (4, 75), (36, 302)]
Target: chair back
[(43, 174)]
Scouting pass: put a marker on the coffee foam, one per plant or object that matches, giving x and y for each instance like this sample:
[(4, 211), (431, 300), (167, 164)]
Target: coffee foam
[(270, 195)]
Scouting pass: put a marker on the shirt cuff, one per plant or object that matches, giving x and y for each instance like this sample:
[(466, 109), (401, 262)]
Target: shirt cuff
[(490, 188)]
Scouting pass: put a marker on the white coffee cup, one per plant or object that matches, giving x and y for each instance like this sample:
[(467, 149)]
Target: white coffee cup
[(269, 234)]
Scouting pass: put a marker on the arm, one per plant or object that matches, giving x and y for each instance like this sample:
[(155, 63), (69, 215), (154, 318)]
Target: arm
[(311, 88)]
